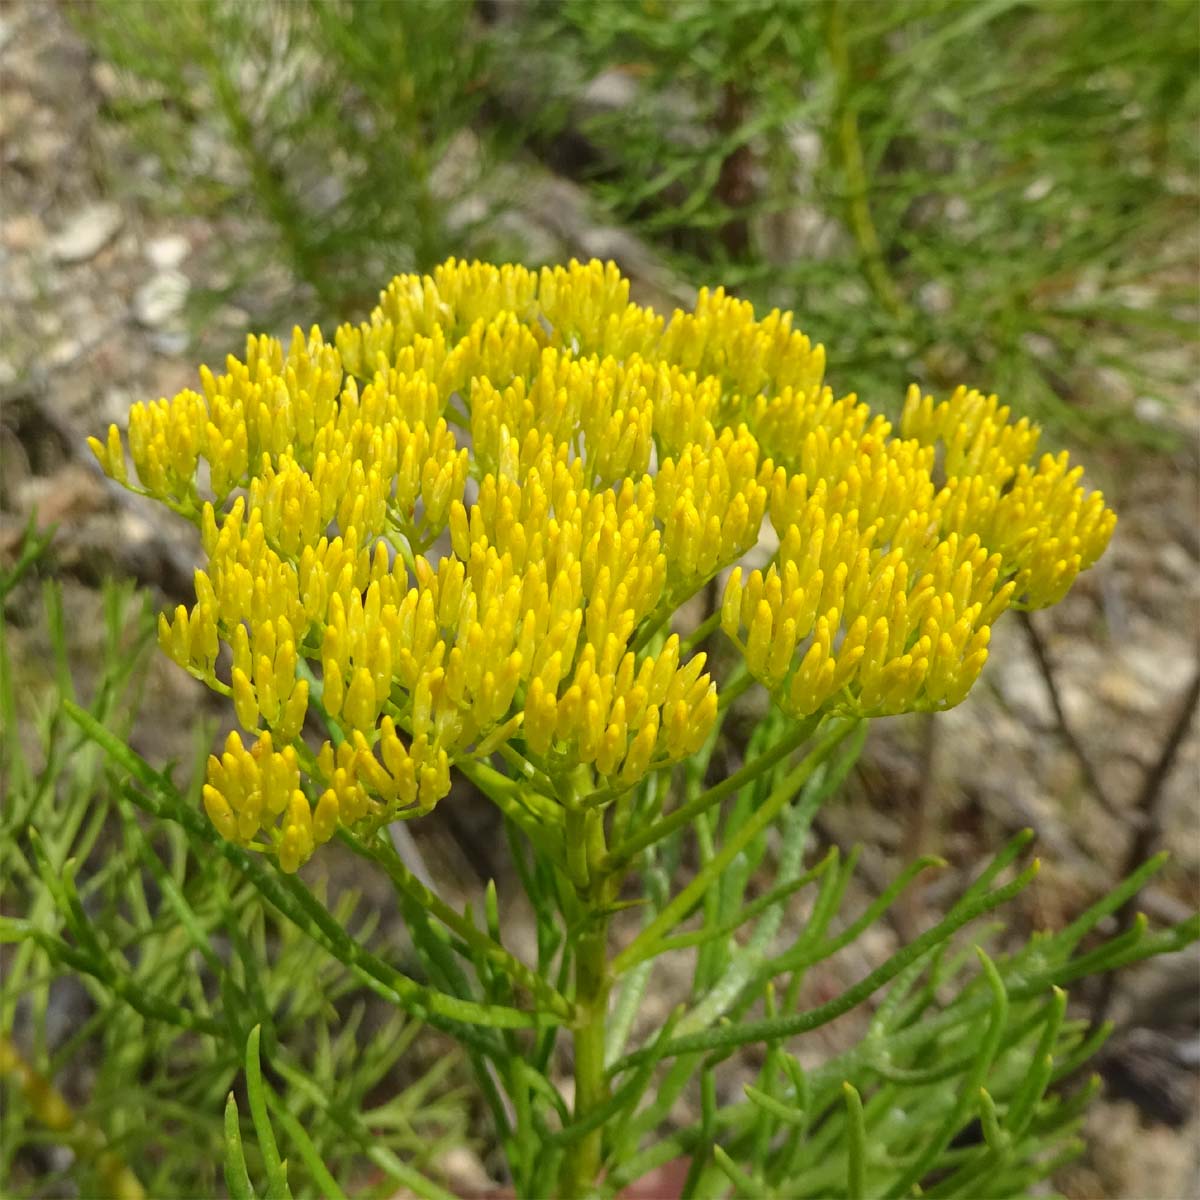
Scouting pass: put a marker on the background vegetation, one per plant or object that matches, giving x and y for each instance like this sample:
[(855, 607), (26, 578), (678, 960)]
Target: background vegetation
[(1000, 190)]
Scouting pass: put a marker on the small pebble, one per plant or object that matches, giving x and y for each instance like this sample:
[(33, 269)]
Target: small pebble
[(168, 252), (23, 232), (160, 299), (86, 233)]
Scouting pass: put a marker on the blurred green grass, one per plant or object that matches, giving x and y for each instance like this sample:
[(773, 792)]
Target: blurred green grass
[(1003, 191)]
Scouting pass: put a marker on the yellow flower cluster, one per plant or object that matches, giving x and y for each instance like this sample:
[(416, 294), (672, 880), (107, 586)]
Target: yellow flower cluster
[(591, 467), (885, 586)]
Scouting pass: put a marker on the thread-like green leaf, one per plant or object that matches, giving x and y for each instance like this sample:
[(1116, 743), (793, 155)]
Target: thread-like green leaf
[(623, 854), (745, 1185), (237, 1178), (279, 888), (1089, 919), (1041, 1068), (789, 1026), (996, 1137), (383, 854), (856, 1144), (330, 1189), (677, 908), (277, 1184), (968, 1096)]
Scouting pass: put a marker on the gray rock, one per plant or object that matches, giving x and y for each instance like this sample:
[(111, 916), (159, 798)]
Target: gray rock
[(86, 233), (1178, 563), (23, 232), (1120, 689), (1021, 685), (160, 299), (610, 91), (170, 342), (166, 253), (935, 297), (64, 352)]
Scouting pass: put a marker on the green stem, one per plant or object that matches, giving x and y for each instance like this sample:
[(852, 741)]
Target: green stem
[(593, 980), (623, 854), (701, 633), (382, 852), (725, 1038), (741, 682), (645, 944), (582, 1165)]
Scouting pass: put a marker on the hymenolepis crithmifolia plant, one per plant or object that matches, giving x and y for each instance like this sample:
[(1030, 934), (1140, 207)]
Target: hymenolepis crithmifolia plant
[(464, 536)]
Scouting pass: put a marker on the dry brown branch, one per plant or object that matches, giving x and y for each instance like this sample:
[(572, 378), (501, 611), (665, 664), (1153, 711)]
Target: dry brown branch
[(1149, 827), (1042, 657)]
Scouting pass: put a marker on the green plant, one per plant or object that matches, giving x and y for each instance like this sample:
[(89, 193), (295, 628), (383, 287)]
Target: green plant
[(138, 962), (616, 466)]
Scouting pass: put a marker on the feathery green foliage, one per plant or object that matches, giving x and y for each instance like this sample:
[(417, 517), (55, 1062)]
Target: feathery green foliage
[(320, 124), (230, 1019)]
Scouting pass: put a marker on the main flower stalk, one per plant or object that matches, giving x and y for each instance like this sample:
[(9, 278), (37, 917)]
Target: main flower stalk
[(582, 1166)]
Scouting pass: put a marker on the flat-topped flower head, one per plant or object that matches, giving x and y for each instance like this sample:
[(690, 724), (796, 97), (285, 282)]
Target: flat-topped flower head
[(465, 526)]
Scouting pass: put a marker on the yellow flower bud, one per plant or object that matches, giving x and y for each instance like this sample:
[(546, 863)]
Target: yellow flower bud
[(540, 712), (435, 780), (244, 701), (332, 688), (325, 818), (291, 719), (219, 813), (758, 640), (731, 604), (358, 708), (290, 852)]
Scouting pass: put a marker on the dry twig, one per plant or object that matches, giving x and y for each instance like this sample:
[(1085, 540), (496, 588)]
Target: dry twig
[(1149, 827), (1042, 656)]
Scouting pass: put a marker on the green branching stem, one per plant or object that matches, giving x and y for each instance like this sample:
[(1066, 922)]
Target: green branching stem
[(969, 1095), (287, 894), (237, 1180), (679, 907), (622, 855), (775, 896), (514, 801), (773, 1029), (277, 1184), (591, 1087), (381, 852), (856, 1144)]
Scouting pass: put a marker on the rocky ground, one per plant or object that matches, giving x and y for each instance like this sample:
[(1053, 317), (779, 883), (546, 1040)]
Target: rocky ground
[(98, 314)]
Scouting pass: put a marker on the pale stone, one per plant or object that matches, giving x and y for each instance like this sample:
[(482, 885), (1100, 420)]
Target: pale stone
[(160, 299), (86, 233), (168, 252), (23, 232)]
